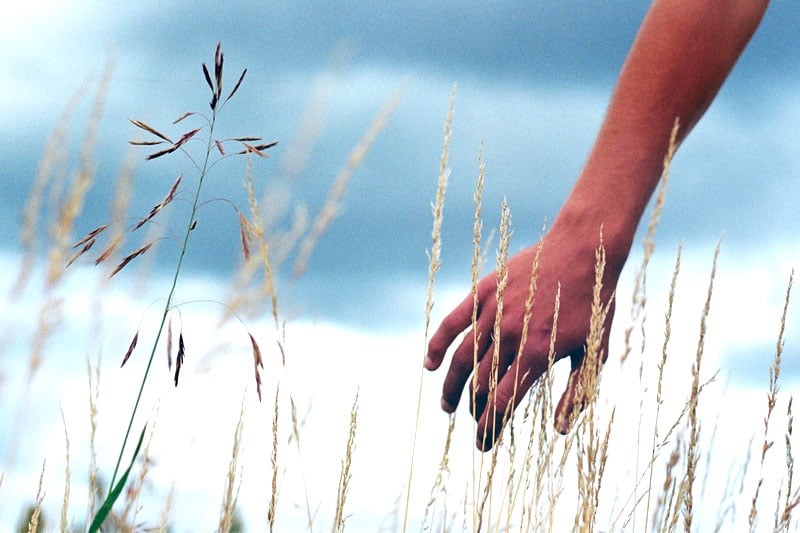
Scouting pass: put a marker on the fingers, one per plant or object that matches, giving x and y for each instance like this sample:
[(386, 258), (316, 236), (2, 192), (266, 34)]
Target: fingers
[(492, 367), (469, 352), (513, 386), (517, 380), (453, 324)]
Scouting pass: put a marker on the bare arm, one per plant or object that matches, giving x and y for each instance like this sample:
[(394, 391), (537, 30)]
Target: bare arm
[(681, 56)]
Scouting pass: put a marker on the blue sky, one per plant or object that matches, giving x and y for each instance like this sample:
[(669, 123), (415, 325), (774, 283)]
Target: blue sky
[(532, 81), (532, 85)]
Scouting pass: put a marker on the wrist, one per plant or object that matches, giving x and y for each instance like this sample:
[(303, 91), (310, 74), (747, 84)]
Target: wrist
[(583, 222)]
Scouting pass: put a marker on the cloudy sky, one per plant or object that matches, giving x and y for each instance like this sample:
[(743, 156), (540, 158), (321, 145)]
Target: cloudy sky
[(532, 81)]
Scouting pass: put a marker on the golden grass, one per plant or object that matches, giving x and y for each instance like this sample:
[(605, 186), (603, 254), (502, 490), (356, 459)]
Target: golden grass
[(533, 479), (33, 523), (67, 478), (694, 423), (434, 264), (273, 500), (345, 476), (231, 492), (332, 204)]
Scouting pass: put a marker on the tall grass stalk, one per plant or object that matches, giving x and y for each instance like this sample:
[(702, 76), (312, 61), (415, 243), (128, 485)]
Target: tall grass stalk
[(660, 395), (434, 263), (345, 475), (70, 211), (789, 457), (475, 272), (694, 423), (231, 493), (489, 435), (33, 523), (772, 398), (273, 500), (67, 477), (508, 416), (163, 526), (170, 293), (640, 296), (332, 203), (94, 396), (439, 488)]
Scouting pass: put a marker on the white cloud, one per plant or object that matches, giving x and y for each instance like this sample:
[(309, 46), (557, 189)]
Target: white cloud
[(326, 366)]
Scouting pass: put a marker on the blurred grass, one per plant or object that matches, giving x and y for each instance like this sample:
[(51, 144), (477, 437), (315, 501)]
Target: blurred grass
[(641, 457)]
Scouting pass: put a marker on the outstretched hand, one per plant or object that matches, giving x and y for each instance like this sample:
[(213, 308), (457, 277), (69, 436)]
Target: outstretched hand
[(619, 177), (566, 266)]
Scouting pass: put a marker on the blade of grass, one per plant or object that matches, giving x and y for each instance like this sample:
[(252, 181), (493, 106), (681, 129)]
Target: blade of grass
[(117, 489)]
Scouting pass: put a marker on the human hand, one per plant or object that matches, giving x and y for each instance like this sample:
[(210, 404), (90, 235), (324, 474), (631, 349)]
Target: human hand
[(566, 266)]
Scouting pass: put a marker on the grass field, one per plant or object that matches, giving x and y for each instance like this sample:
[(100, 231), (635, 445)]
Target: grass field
[(225, 413)]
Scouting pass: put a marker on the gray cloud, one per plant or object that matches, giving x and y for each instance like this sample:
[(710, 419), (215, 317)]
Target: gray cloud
[(533, 85)]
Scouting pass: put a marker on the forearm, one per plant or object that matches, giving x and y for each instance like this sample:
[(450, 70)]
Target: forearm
[(681, 56)]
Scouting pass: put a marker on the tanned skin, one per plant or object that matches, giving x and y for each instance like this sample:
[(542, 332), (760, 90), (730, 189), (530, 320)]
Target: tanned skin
[(680, 58)]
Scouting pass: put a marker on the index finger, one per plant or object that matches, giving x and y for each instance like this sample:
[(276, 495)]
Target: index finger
[(453, 324), (505, 399)]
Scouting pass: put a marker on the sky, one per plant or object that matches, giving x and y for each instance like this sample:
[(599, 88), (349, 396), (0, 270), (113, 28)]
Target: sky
[(532, 86)]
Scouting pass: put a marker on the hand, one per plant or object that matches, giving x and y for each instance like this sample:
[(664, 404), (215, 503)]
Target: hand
[(566, 261)]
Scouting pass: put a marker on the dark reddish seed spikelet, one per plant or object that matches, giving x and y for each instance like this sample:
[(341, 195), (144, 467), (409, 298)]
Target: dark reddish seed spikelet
[(150, 129), (187, 114), (166, 151), (145, 143), (186, 136), (266, 145), (108, 251), (258, 149), (257, 362), (130, 257), (236, 87), (208, 77), (86, 245), (245, 232), (130, 349), (179, 359), (218, 59), (161, 205), (90, 236)]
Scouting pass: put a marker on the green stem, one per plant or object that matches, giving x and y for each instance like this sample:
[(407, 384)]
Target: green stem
[(168, 304)]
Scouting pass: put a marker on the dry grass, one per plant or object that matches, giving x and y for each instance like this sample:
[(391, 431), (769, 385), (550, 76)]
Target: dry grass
[(231, 490), (434, 264), (345, 476), (67, 478), (533, 480), (33, 523)]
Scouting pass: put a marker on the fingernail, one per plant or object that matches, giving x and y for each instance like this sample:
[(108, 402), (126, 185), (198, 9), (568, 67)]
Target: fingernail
[(446, 407), (562, 423), (428, 363)]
